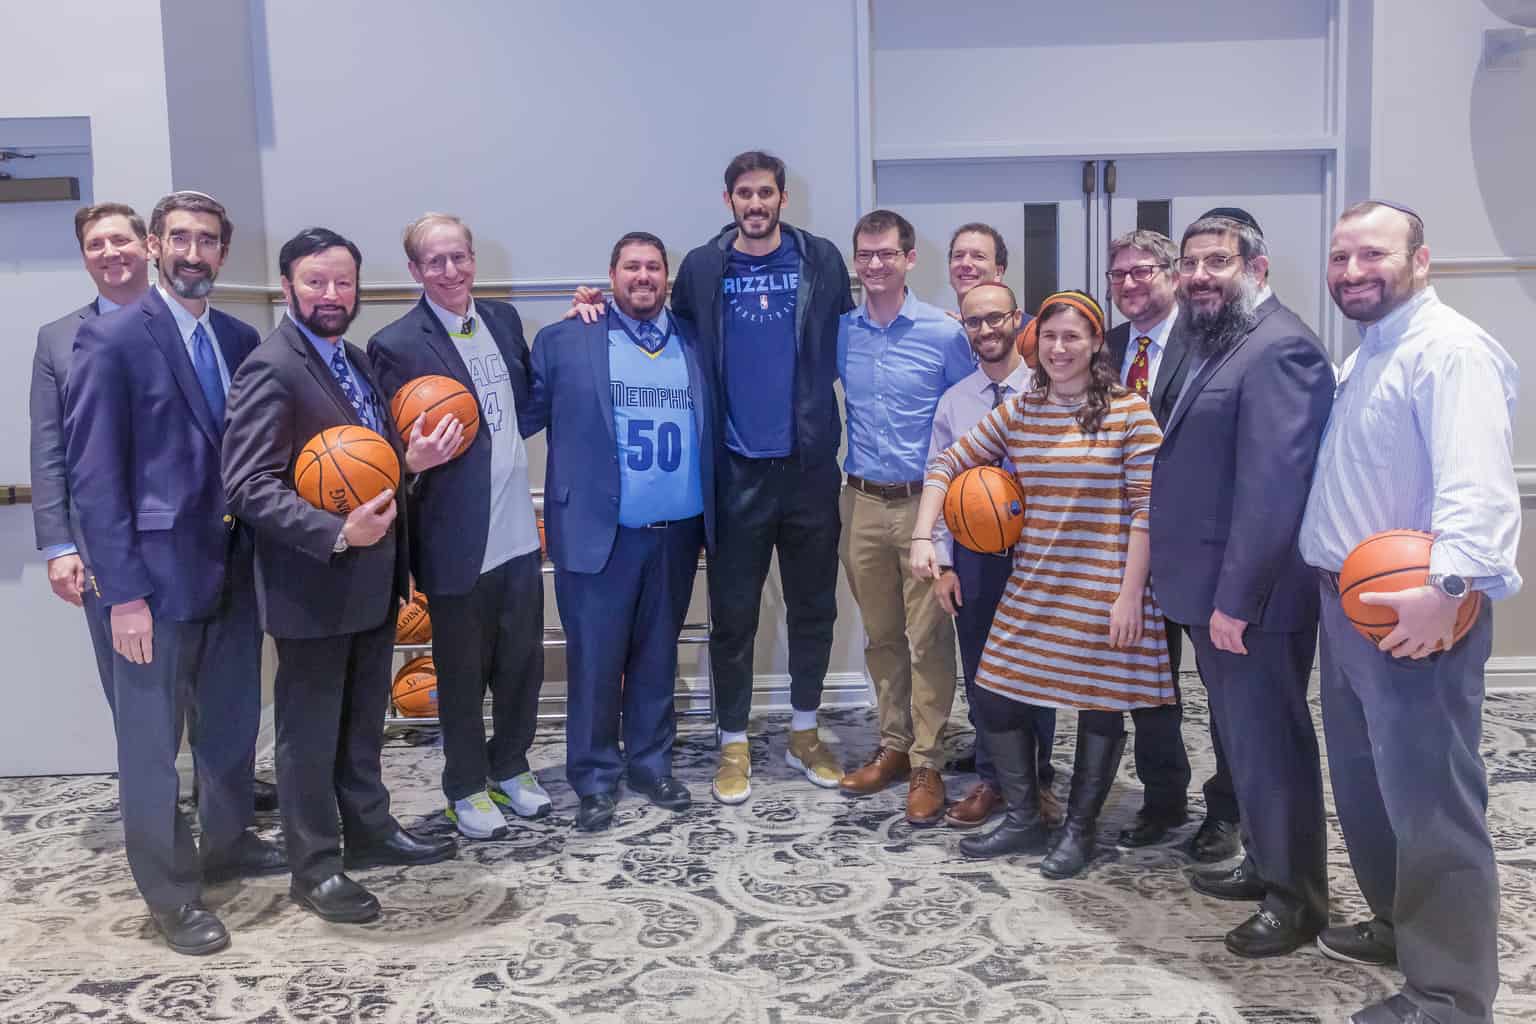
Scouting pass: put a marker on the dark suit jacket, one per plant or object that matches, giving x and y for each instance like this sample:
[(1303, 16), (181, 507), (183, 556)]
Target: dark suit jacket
[(570, 396), (1230, 482), (143, 460), (283, 396), (450, 505), (1171, 372), (53, 514)]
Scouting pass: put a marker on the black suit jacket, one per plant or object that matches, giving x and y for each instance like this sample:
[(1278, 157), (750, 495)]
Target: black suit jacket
[(53, 514), (1171, 372), (451, 504), (1230, 482), (284, 395)]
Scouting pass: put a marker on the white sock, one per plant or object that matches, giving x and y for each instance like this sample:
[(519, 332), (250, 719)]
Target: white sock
[(732, 737), (803, 720)]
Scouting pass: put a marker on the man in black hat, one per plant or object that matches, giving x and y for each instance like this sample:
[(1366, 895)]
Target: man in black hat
[(1228, 492)]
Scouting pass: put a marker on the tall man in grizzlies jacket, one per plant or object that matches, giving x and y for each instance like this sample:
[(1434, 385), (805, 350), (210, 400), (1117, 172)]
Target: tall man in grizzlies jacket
[(474, 541), (329, 586)]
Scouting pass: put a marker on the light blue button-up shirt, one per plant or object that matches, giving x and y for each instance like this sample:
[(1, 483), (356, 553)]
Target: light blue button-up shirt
[(893, 377), (1421, 438), (186, 323)]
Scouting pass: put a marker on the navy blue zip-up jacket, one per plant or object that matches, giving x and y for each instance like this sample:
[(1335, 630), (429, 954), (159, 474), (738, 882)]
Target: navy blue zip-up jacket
[(823, 296)]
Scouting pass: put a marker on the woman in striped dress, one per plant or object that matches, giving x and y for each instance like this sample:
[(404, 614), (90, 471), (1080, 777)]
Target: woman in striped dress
[(1077, 626)]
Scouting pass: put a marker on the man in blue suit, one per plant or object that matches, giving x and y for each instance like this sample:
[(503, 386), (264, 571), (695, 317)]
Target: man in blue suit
[(474, 539), (144, 421), (628, 501)]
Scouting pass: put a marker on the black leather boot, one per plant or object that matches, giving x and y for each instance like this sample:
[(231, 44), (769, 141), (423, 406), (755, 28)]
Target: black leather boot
[(1022, 830), (1093, 773)]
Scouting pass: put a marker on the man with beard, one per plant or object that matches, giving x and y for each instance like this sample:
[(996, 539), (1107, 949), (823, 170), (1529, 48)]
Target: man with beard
[(1420, 438), (971, 583), (629, 501), (1228, 490), (171, 567), (474, 541), (328, 585), (1143, 283)]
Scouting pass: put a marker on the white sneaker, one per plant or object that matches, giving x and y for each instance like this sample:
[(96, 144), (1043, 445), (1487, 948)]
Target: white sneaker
[(523, 794), (477, 817)]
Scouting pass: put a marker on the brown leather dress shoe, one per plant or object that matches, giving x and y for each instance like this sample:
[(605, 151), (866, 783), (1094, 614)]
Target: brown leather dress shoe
[(925, 797), (883, 769), (979, 804)]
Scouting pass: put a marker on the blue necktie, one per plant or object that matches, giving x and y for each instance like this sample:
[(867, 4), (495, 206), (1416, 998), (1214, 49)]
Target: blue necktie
[(650, 336), (344, 378), (207, 366)]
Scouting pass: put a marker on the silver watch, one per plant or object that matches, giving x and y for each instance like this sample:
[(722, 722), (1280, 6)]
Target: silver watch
[(341, 542), (1449, 584)]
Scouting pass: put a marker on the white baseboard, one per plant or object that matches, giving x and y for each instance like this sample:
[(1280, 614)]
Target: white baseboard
[(1510, 673)]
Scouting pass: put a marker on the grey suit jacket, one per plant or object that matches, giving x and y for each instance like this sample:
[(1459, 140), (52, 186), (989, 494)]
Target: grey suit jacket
[(52, 510), (1170, 372)]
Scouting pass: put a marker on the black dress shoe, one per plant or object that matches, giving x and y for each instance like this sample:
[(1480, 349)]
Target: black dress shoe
[(401, 847), (1214, 840), (1264, 935), (1150, 828), (665, 792), (1395, 1010), (1240, 884), (595, 812), (337, 899), (247, 857), (265, 794), (1370, 942), (191, 929)]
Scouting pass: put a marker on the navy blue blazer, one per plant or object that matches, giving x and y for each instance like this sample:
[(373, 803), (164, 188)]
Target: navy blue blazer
[(142, 452), (569, 395), (451, 504), (1230, 482)]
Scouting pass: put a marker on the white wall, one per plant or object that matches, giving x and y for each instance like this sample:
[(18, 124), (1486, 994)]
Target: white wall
[(113, 74)]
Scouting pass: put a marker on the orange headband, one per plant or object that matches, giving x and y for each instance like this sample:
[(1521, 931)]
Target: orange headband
[(1081, 302)]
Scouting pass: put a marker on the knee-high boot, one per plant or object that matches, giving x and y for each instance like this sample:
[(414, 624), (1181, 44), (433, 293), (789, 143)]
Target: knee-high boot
[(1022, 830), (1093, 772)]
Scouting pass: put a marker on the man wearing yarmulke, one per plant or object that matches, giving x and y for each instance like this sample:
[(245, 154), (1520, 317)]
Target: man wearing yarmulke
[(1419, 438)]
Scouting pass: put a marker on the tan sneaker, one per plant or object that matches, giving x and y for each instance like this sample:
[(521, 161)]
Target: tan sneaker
[(733, 779), (811, 756)]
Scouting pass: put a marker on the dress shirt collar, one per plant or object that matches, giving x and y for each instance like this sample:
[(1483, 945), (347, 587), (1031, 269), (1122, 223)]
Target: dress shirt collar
[(325, 346), (452, 321), (186, 322), (660, 319), (105, 305), (1389, 328), (908, 312), (1017, 382), (1265, 294), (1159, 331)]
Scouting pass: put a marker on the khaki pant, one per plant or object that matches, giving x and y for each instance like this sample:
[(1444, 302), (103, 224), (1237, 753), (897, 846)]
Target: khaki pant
[(909, 646)]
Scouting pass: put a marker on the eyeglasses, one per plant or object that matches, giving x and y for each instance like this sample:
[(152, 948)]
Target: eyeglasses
[(437, 264), (864, 257), (1214, 262), (1141, 273), (1366, 257), (992, 320), (184, 241)]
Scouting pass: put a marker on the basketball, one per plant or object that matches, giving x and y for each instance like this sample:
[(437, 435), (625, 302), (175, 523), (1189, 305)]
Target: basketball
[(344, 467), (984, 510), (414, 626), (1388, 562), (435, 397), (415, 689)]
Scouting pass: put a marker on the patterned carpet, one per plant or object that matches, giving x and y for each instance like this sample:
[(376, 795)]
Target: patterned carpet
[(800, 905)]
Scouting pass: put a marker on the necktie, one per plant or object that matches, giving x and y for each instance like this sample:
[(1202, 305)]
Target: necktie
[(997, 393), (343, 374), (207, 366), (468, 326), (649, 336), (1136, 376)]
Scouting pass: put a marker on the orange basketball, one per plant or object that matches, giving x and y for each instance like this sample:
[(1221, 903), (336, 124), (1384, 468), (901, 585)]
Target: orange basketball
[(1388, 562), (984, 509), (414, 626), (435, 397), (543, 542), (343, 467), (415, 689)]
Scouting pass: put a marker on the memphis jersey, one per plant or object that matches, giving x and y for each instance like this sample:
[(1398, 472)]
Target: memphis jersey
[(653, 424)]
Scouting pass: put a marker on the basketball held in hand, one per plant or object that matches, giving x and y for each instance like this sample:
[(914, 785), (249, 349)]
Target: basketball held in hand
[(344, 467), (415, 689), (1387, 563), (435, 396), (984, 510)]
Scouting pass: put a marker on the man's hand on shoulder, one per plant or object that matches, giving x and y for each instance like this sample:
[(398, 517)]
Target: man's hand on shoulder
[(586, 303)]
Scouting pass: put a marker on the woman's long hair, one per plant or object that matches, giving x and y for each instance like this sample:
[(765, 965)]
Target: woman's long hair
[(1103, 380)]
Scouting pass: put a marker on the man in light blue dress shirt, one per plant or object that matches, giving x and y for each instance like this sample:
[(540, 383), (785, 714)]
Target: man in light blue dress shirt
[(1420, 438)]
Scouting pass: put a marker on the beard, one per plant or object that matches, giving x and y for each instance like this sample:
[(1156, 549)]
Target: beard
[(189, 288), (767, 231), (1217, 331), (332, 323)]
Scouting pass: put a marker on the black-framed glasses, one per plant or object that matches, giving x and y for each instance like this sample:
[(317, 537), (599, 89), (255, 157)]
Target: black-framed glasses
[(1140, 273), (864, 257), (992, 320), (1214, 262)]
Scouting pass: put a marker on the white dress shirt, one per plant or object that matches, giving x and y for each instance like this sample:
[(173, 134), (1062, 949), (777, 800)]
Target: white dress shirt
[(1159, 335)]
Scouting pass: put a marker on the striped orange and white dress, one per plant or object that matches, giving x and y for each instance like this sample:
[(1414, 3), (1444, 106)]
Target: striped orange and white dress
[(1083, 495)]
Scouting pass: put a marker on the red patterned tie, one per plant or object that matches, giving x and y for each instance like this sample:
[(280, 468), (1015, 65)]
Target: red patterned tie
[(1136, 377)]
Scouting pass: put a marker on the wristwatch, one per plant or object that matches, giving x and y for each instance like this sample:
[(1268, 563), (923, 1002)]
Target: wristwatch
[(341, 542), (1450, 585)]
